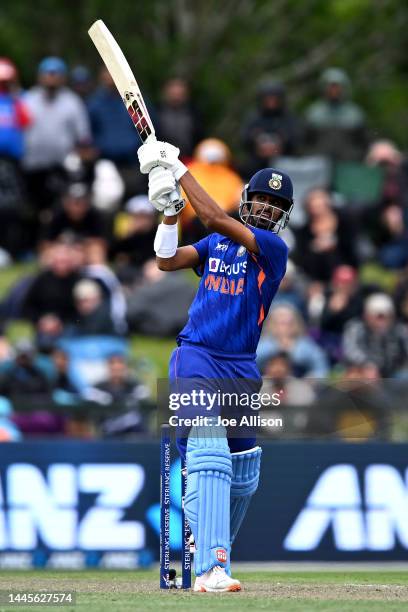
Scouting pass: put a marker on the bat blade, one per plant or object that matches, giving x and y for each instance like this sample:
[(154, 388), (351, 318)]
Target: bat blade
[(124, 79)]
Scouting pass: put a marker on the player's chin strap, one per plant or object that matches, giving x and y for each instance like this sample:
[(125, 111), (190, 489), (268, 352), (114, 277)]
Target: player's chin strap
[(166, 240)]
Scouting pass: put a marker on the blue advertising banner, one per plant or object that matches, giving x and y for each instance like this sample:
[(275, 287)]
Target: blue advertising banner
[(96, 504)]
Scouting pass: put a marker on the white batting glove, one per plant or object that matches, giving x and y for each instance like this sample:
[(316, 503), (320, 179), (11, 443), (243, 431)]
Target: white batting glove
[(157, 153), (175, 205), (161, 182), (170, 204)]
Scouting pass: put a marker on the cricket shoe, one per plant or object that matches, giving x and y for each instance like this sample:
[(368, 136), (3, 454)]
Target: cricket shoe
[(216, 581)]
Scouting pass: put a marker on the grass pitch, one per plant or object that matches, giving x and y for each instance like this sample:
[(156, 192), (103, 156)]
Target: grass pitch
[(104, 591)]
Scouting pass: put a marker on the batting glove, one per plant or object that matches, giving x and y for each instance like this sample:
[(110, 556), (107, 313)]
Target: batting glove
[(175, 204), (157, 153), (170, 204), (161, 182)]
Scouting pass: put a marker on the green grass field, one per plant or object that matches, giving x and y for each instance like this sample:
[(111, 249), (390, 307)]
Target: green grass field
[(264, 590)]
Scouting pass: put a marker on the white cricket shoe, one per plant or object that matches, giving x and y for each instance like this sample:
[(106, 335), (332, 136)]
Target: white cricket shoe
[(216, 581)]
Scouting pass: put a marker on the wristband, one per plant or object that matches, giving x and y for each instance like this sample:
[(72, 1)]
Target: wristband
[(178, 170), (166, 240)]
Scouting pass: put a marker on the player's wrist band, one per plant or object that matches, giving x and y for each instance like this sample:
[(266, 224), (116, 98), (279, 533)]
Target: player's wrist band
[(179, 169), (166, 240)]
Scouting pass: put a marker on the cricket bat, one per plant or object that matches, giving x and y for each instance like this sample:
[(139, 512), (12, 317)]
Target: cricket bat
[(123, 78)]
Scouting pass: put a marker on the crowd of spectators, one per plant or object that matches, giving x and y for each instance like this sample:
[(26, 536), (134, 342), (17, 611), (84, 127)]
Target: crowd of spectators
[(74, 206)]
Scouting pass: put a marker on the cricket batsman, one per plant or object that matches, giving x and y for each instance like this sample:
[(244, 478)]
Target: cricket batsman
[(242, 266)]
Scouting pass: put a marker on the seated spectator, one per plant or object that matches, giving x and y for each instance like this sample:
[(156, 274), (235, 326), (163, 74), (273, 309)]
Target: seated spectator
[(336, 126), (51, 289), (123, 392), (342, 302), (211, 166), (133, 245), (49, 329), (76, 216), (291, 290), (385, 154), (179, 120), (96, 268), (92, 312), (23, 377), (272, 130), (295, 396), (326, 241), (26, 381), (62, 380), (389, 233), (355, 407), (278, 377), (377, 337), (284, 331), (146, 314)]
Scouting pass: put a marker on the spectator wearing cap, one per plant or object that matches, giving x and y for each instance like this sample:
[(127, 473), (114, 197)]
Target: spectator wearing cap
[(135, 233), (77, 216), (272, 129), (92, 311), (336, 126), (378, 337), (14, 120), (59, 124), (179, 120)]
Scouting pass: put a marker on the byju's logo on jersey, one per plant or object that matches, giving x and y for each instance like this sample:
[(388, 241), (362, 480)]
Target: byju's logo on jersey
[(218, 265), (213, 264), (221, 247)]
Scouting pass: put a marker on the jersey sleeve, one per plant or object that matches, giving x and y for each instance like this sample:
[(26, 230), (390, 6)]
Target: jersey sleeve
[(273, 253), (202, 249)]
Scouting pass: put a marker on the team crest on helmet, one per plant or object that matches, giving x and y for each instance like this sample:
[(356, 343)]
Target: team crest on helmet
[(241, 251), (276, 181)]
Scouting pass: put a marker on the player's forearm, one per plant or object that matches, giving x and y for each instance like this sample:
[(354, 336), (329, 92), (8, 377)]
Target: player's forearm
[(206, 208), (214, 217)]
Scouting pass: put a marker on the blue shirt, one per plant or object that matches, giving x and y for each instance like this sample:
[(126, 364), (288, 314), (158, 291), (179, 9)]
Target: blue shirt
[(11, 134), (235, 292)]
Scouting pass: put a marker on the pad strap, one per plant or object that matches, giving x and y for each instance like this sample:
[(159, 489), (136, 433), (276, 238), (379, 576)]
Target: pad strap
[(246, 466), (207, 501)]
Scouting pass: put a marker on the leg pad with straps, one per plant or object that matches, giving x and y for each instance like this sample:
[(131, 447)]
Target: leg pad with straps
[(207, 501)]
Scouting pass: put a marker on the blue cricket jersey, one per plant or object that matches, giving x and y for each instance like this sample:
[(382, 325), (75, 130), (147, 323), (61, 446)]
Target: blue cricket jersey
[(235, 292)]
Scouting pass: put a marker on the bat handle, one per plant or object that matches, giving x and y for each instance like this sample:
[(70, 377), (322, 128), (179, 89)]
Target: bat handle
[(174, 196)]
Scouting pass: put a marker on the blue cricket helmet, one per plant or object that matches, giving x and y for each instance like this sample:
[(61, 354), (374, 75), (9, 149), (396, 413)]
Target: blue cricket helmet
[(273, 217)]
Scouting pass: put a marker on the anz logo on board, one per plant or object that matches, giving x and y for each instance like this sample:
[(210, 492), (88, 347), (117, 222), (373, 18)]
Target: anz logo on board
[(371, 517)]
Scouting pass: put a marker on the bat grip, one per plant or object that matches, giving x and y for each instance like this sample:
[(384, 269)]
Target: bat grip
[(174, 196)]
